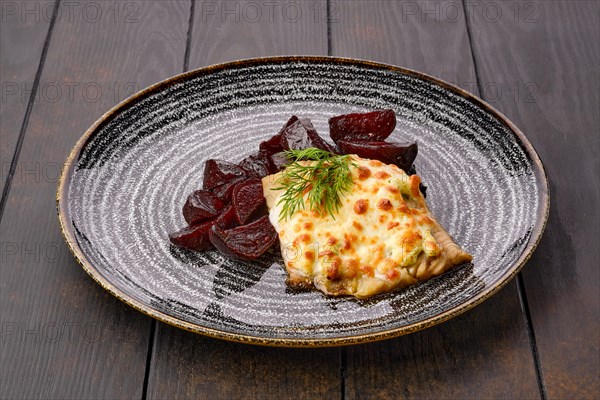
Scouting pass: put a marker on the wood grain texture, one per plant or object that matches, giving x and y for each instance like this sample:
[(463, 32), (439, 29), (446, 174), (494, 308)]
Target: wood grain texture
[(186, 365), (406, 35), (484, 353), (22, 37), (227, 31), (63, 336), (553, 47), (190, 366)]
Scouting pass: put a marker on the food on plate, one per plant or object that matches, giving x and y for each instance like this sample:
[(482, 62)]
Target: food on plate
[(247, 199), (201, 205), (400, 154), (194, 237), (225, 190), (350, 217), (376, 236), (219, 172), (302, 135), (375, 125), (247, 241), (231, 197)]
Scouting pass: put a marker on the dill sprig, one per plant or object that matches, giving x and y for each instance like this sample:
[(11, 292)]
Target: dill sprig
[(323, 181)]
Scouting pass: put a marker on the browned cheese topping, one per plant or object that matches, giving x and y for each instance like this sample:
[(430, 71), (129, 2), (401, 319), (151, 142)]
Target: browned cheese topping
[(383, 236)]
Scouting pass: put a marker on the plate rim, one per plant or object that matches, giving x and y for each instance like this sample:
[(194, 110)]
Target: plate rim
[(69, 237)]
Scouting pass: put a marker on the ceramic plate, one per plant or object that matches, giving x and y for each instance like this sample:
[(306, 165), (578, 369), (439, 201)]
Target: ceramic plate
[(124, 184)]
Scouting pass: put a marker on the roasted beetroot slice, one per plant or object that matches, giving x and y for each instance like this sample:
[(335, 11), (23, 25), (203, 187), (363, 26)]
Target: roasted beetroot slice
[(218, 172), (257, 165), (227, 219), (302, 135), (400, 154), (247, 199), (279, 161), (194, 237), (225, 190), (375, 125), (246, 242), (201, 205), (290, 121), (273, 145)]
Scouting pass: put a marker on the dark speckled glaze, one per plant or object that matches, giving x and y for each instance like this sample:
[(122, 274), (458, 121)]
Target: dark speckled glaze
[(125, 181)]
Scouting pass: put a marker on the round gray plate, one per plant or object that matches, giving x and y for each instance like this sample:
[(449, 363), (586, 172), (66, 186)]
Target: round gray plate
[(125, 181)]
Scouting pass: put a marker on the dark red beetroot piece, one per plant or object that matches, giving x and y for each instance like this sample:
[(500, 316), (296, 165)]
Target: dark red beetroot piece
[(375, 125), (218, 172), (201, 205), (279, 161), (271, 149), (273, 145), (258, 164), (302, 135), (246, 242), (227, 219), (225, 190), (247, 199), (194, 237), (400, 154)]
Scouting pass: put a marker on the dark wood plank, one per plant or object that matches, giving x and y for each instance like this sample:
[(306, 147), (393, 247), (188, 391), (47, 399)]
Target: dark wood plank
[(484, 353), (23, 31), (185, 365), (553, 48), (405, 34), (232, 31), (189, 366), (63, 336)]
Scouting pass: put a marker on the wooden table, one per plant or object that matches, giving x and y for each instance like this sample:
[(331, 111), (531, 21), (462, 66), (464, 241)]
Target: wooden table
[(64, 63)]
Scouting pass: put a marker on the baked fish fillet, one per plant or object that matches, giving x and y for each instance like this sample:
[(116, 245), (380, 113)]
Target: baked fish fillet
[(383, 236)]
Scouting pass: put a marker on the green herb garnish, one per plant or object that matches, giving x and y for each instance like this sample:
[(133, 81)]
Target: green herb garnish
[(324, 181)]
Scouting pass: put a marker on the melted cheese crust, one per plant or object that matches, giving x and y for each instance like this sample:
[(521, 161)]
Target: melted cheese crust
[(382, 238)]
